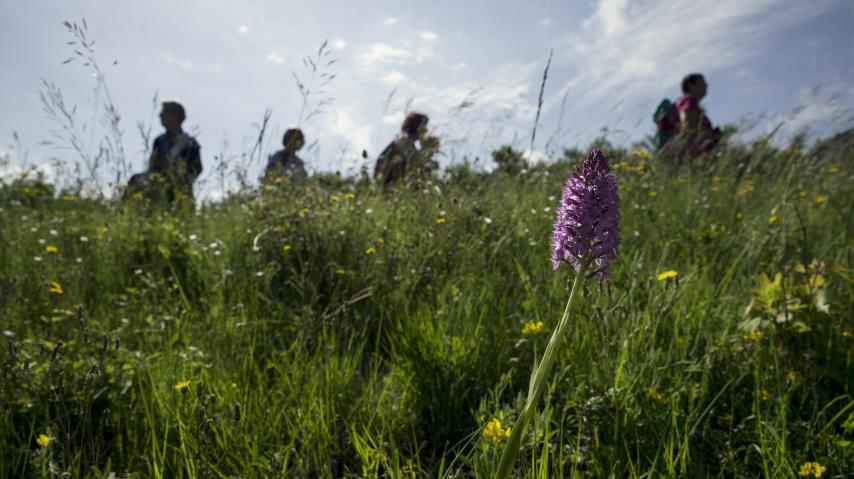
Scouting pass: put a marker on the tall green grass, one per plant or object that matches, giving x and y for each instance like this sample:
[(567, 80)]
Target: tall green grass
[(328, 331)]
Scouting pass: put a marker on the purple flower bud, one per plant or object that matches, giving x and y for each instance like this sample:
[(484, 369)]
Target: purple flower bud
[(587, 224)]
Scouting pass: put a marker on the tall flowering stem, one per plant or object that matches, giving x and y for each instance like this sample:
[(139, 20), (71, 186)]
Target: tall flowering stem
[(586, 236)]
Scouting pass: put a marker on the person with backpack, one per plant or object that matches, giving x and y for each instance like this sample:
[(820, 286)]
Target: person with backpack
[(409, 156), (174, 164), (686, 121)]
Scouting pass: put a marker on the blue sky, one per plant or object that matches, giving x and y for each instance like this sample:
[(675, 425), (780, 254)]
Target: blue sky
[(767, 62)]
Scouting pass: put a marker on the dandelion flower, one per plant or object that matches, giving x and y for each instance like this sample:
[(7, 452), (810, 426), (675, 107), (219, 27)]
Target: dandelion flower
[(532, 328), (667, 275), (847, 334), (334, 199), (773, 219), (286, 248), (349, 196), (820, 199), (182, 385), (51, 249), (587, 223), (43, 440), (653, 193), (340, 271), (370, 251), (56, 288)]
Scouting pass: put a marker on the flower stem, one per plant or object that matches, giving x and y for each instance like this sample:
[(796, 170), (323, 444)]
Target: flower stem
[(538, 383)]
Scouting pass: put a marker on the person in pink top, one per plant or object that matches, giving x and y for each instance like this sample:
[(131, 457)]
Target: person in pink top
[(695, 129)]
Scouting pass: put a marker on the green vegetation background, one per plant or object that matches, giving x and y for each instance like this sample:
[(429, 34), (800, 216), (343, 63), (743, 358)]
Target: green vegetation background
[(327, 331)]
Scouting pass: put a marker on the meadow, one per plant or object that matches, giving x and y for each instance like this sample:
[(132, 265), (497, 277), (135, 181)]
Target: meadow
[(326, 330)]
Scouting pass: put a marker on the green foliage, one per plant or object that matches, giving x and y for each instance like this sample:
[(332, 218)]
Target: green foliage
[(327, 330), (508, 160)]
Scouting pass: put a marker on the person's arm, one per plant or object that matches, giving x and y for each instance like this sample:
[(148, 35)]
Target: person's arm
[(194, 163), (153, 157)]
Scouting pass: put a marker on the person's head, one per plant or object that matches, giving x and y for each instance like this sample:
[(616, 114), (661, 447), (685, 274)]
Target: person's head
[(172, 115), (695, 84), (293, 139), (415, 125)]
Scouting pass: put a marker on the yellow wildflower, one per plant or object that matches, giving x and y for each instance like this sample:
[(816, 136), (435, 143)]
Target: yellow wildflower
[(440, 221), (773, 219), (667, 275), (380, 240), (643, 154), (738, 216), (335, 199), (69, 197), (286, 248), (532, 328), (349, 196), (304, 212), (51, 249), (56, 288), (835, 169), (820, 199), (794, 378), (340, 271), (137, 196), (43, 440), (755, 336), (745, 189), (182, 385), (847, 334), (764, 395), (653, 193), (494, 433), (802, 194), (656, 396), (813, 468), (370, 251)]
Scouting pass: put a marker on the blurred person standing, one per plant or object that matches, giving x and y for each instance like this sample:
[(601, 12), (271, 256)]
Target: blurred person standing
[(175, 162), (409, 156), (285, 164)]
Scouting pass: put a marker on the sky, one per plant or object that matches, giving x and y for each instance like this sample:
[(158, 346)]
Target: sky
[(475, 67)]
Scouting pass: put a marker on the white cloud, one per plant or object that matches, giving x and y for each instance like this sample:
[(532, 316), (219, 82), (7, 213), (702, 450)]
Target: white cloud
[(338, 44), (394, 77), (393, 119), (381, 53), (172, 60), (390, 21), (242, 29), (276, 56), (642, 48), (458, 66), (816, 115), (428, 36), (342, 124), (546, 22)]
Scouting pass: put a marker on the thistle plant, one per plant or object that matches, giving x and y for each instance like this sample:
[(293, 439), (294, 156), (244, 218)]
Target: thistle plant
[(586, 236)]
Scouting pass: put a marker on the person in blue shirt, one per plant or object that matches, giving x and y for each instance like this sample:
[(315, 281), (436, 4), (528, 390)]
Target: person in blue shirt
[(285, 163)]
